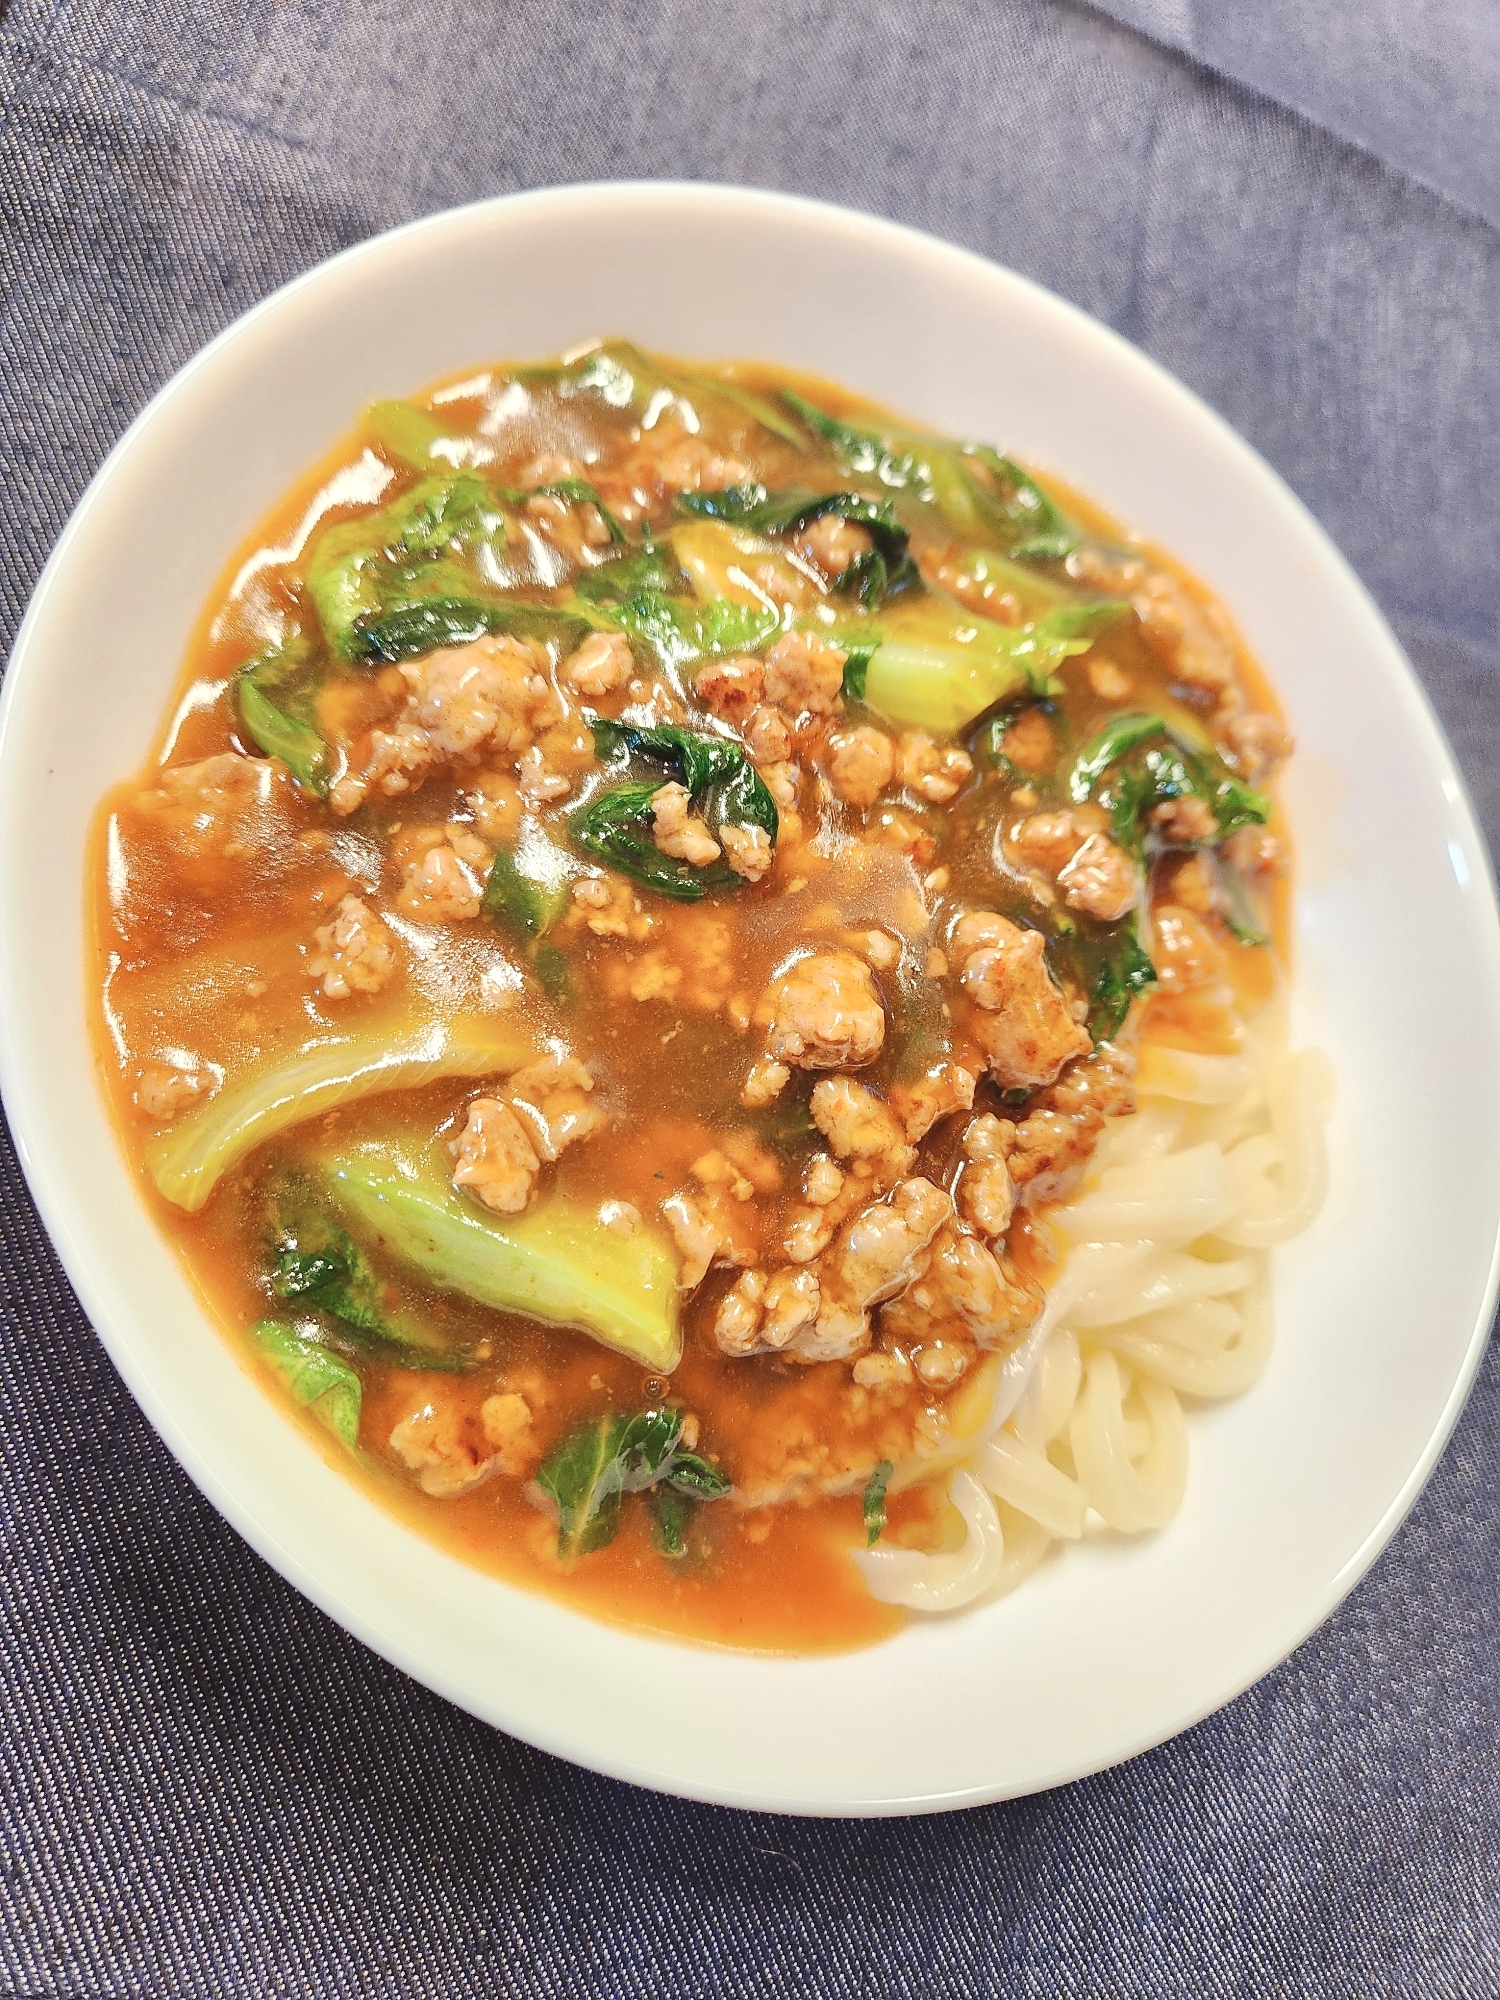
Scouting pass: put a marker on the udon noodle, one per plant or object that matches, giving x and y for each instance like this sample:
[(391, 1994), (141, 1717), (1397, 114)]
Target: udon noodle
[(1164, 1294)]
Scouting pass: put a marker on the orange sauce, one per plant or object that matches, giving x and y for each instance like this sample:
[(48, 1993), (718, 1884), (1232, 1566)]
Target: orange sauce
[(197, 945)]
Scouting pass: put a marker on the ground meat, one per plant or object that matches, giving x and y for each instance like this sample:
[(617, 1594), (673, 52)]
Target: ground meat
[(1190, 638), (1106, 679), (737, 1322), (804, 675), (822, 1181), (748, 850), (610, 908), (731, 689), (861, 763), (882, 1372), (677, 831), (1029, 743), (162, 1090), (767, 737), (1257, 743), (1094, 874), (495, 1157), (875, 1254), (490, 696), (506, 1422), (782, 782), (576, 529), (859, 1126), (947, 1088), (1185, 952), (692, 466), (1101, 880), (761, 1315), (217, 806), (1103, 1084), (1048, 841), (495, 801), (355, 952), (934, 773), (600, 665), (1184, 822), (703, 1233), (824, 1013), (986, 1194), (552, 1099), (962, 1287), (1023, 1023), (764, 1084), (831, 544), (550, 468), (538, 783), (440, 887), (1254, 851), (432, 1442)]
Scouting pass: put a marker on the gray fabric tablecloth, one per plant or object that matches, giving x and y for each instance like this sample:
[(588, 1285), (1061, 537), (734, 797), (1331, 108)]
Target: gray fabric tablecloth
[(205, 1788)]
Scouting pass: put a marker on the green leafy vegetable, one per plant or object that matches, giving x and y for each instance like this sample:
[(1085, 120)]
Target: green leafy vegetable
[(678, 630), (976, 490), (316, 1263), (595, 1466), (874, 1501), (672, 1513), (1139, 761), (417, 554), (649, 570), (1044, 531), (859, 653), (627, 379), (1126, 971), (1237, 904), (765, 412), (416, 438), (527, 889), (557, 1262), (272, 689), (577, 493), (616, 825), (939, 669), (318, 1380), (883, 571), (187, 1161)]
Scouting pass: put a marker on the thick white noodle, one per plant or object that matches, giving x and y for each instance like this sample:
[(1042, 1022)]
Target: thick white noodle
[(1165, 1292), (942, 1583)]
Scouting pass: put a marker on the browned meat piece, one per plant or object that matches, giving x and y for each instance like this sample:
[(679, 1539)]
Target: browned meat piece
[(824, 1013), (677, 831), (804, 675), (962, 1287), (874, 1255), (935, 772), (861, 763), (1184, 822), (1257, 743), (1094, 874), (859, 1126), (947, 1088), (355, 953), (831, 544), (731, 688), (495, 1157), (1022, 1022)]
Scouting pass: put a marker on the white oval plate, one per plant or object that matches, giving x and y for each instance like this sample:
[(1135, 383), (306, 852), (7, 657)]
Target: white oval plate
[(1381, 1309)]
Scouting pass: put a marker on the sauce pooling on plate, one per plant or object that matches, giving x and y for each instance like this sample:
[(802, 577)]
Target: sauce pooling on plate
[(657, 883)]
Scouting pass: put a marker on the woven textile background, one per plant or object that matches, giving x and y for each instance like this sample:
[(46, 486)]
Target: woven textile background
[(208, 1790)]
